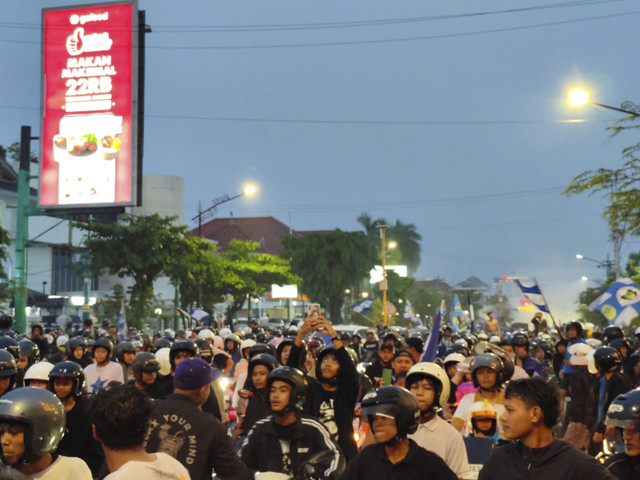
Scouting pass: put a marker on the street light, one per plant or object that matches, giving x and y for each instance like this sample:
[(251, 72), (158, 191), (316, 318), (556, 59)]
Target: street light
[(248, 191), (606, 264), (579, 98)]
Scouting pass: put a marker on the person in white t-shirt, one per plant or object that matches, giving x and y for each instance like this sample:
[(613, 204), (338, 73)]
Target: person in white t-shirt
[(32, 422), (99, 375), (429, 383), (120, 418), (488, 373)]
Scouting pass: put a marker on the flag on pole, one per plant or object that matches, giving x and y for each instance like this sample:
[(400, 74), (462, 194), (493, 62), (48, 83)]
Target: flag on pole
[(456, 314), (620, 304), (472, 315), (431, 352), (363, 306), (410, 313), (533, 293), (122, 323)]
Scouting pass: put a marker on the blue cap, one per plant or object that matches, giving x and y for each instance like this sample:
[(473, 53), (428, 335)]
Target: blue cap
[(193, 373)]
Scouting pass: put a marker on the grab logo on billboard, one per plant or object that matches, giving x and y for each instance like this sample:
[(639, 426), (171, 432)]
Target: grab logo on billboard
[(89, 106)]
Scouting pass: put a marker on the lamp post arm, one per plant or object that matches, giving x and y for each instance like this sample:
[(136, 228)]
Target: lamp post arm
[(628, 112)]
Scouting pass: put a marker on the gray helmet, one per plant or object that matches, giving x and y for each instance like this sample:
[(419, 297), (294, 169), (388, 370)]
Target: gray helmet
[(144, 362), (394, 401), (42, 414), (624, 411), (489, 360)]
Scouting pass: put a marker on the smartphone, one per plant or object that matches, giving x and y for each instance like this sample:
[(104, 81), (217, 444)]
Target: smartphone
[(314, 308)]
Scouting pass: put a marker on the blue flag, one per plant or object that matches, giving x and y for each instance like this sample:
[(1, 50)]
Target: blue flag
[(122, 324), (363, 306), (620, 304), (533, 293), (431, 352), (410, 313), (456, 314)]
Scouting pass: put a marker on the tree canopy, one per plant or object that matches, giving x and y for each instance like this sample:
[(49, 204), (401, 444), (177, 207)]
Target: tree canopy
[(330, 263)]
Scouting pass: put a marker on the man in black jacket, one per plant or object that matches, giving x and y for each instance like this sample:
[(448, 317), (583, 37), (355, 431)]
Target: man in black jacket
[(531, 410), (332, 398), (195, 438), (284, 441)]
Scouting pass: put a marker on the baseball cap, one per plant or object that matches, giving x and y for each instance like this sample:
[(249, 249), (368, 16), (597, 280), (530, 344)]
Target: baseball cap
[(193, 373)]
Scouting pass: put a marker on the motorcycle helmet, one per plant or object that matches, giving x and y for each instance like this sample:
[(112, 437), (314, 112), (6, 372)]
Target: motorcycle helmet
[(624, 411), (436, 374), (298, 382), (70, 370), (396, 402)]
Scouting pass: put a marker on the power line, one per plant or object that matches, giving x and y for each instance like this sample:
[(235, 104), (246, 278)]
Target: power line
[(339, 24), (366, 42), (341, 122)]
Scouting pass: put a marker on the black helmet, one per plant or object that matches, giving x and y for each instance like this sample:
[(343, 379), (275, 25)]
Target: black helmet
[(6, 321), (182, 345), (457, 348), (70, 370), (124, 347), (611, 333), (489, 360), (76, 342), (265, 359), (286, 342), (8, 366), (624, 411), (607, 359), (30, 350), (298, 382), (144, 362), (619, 343), (10, 345), (397, 402), (105, 343), (162, 342), (259, 348), (145, 338), (42, 414), (520, 339), (205, 349), (576, 325)]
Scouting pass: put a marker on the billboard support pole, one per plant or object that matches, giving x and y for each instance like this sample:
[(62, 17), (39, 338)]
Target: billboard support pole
[(22, 231)]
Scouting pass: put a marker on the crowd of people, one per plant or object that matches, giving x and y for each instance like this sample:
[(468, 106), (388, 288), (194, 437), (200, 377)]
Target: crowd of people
[(309, 403)]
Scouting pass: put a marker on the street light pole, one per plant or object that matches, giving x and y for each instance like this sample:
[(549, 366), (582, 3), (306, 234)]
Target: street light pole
[(606, 264), (248, 190), (383, 283)]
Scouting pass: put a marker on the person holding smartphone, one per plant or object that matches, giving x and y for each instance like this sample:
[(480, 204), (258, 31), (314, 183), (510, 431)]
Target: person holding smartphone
[(333, 394)]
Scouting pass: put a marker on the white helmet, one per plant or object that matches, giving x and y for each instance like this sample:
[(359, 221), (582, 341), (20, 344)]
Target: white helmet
[(162, 355), (494, 339), (454, 357), (206, 334), (483, 409), (293, 329), (637, 332), (247, 344), (218, 342), (591, 363), (49, 338), (62, 340), (38, 371), (169, 333), (589, 326), (461, 341), (224, 332), (593, 342), (434, 372), (579, 352)]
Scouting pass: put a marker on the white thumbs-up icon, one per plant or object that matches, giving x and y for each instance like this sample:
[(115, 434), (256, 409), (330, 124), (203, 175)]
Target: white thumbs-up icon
[(75, 41)]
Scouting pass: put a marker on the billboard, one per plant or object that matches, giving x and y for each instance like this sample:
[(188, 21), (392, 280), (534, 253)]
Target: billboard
[(89, 106)]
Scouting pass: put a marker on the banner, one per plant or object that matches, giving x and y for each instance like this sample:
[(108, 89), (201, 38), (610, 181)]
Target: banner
[(410, 313), (363, 306), (533, 293), (620, 304), (122, 324), (431, 351)]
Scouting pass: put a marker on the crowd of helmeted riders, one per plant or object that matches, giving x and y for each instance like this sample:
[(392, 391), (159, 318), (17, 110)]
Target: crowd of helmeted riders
[(311, 403)]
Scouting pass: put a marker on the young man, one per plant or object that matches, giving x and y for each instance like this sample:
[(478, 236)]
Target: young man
[(623, 414), (332, 398), (376, 369), (531, 411), (31, 425), (145, 368), (195, 438), (402, 362), (284, 441), (100, 374), (393, 414), (520, 343), (66, 380), (120, 418), (429, 383), (487, 373), (369, 347)]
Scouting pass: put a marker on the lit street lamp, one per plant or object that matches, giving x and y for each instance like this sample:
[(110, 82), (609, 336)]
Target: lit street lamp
[(606, 264), (383, 282), (578, 98), (248, 191)]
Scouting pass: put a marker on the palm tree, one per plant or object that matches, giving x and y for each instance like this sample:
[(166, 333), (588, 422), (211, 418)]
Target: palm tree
[(408, 243), (371, 228)]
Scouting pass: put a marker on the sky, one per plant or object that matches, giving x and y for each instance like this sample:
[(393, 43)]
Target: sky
[(451, 116)]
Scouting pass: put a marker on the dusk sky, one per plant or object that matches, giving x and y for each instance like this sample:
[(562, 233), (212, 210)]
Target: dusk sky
[(448, 115)]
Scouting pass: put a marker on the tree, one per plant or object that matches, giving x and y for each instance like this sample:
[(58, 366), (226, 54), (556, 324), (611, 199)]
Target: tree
[(6, 292), (330, 263), (110, 304), (143, 247)]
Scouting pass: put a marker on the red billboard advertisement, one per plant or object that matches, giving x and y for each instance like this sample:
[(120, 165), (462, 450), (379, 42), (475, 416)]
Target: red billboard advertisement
[(89, 106)]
